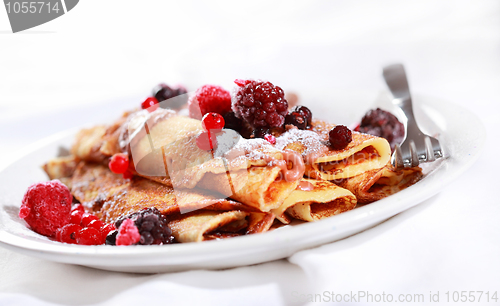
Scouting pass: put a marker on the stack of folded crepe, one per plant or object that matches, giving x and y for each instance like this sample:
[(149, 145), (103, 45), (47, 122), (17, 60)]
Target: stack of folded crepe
[(243, 186)]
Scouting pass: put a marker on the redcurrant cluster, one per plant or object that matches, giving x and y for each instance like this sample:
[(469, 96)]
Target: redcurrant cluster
[(84, 228)]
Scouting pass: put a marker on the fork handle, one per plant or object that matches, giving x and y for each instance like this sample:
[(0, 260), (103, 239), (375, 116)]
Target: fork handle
[(396, 80)]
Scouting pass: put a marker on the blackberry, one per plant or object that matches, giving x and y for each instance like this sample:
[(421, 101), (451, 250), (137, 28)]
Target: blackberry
[(164, 92), (340, 137), (152, 226), (111, 237), (300, 116), (260, 132), (380, 123), (305, 112), (296, 119), (232, 122), (259, 103)]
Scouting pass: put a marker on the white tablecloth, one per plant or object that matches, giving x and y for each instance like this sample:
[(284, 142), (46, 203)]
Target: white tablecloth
[(56, 76)]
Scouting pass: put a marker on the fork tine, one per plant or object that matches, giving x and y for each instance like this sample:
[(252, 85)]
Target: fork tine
[(416, 147), (397, 158), (420, 148), (429, 149), (436, 146), (413, 154), (406, 154)]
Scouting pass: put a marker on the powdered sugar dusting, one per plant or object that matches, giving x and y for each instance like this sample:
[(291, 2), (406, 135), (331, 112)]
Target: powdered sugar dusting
[(159, 115), (312, 143), (226, 140), (253, 149), (135, 123)]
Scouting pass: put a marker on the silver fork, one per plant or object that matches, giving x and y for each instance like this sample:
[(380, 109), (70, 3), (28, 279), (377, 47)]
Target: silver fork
[(416, 147)]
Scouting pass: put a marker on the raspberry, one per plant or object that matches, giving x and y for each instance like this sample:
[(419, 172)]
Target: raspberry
[(209, 98), (152, 226), (67, 233), (162, 92), (300, 116), (127, 233), (206, 141), (212, 122), (88, 236), (259, 103), (340, 137), (151, 104), (382, 124), (270, 138), (46, 207), (119, 163)]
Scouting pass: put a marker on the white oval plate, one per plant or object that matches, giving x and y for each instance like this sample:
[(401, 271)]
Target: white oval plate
[(461, 134)]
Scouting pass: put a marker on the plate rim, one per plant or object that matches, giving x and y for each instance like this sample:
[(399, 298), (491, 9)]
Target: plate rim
[(377, 211)]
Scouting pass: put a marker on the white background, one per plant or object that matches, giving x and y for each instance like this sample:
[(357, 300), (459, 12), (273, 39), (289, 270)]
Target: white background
[(60, 74)]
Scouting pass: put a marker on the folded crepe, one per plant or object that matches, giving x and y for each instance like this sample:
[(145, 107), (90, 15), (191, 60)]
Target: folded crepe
[(377, 184), (97, 143), (109, 196), (209, 225), (164, 149), (88, 144), (61, 168), (162, 146), (363, 153), (314, 200)]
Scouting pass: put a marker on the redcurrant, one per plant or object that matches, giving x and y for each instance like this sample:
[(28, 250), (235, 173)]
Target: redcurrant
[(67, 233), (106, 229), (212, 122), (76, 217), (119, 163), (127, 175), (151, 104), (206, 141), (97, 224), (87, 218), (78, 207), (88, 236)]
